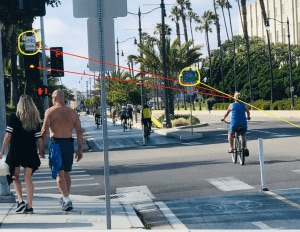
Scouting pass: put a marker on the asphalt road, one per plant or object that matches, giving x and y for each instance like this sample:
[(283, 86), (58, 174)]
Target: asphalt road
[(197, 180)]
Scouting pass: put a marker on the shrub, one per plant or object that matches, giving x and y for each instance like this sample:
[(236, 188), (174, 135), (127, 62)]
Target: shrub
[(262, 104), (180, 122), (220, 106), (281, 105), (195, 120)]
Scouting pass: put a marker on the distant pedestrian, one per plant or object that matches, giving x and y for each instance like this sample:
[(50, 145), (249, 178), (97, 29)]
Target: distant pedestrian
[(61, 120), (23, 131)]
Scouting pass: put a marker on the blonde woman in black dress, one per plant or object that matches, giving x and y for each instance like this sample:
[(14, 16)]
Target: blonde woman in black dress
[(23, 131)]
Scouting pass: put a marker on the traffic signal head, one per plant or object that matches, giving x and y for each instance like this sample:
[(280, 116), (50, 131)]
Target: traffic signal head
[(57, 62), (31, 66), (26, 7)]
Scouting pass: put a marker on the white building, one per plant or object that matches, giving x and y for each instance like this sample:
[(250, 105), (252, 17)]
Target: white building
[(78, 96), (281, 10)]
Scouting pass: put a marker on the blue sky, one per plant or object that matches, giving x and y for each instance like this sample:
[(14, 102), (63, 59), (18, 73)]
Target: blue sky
[(63, 30)]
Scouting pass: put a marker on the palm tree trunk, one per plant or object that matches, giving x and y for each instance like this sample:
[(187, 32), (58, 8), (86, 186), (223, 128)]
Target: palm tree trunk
[(192, 32), (209, 57), (219, 42), (178, 31), (233, 41), (225, 22), (184, 25), (264, 15), (244, 9)]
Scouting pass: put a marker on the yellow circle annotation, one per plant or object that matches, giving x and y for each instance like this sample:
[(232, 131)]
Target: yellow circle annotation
[(189, 84), (39, 41)]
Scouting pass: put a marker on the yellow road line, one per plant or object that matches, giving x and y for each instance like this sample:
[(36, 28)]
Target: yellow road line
[(281, 198), (156, 122)]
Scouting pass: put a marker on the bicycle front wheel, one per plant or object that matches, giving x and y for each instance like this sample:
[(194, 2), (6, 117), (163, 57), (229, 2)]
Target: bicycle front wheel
[(241, 152), (234, 153)]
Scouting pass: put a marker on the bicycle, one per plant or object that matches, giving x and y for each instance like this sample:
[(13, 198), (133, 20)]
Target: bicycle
[(97, 121), (239, 150), (147, 130), (124, 124), (130, 123)]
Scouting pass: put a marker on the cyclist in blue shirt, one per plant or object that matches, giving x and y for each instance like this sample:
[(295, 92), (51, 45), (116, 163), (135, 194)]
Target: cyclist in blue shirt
[(238, 119)]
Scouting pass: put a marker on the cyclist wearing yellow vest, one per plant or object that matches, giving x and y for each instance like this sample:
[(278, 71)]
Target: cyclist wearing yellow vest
[(146, 116)]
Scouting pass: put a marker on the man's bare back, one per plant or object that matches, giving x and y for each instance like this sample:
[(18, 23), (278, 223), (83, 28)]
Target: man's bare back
[(62, 121)]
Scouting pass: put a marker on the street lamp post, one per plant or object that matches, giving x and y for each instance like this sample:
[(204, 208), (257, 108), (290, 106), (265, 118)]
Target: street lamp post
[(270, 59), (290, 56), (118, 52), (163, 41), (141, 54)]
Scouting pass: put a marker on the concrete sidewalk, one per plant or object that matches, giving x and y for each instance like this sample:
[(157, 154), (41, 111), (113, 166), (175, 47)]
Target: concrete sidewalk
[(89, 213)]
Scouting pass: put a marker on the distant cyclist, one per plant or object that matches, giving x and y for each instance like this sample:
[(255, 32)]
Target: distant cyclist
[(114, 114), (123, 116), (97, 115), (146, 117), (129, 114), (238, 119)]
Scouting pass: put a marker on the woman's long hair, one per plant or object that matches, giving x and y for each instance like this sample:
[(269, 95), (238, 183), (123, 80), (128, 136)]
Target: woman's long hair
[(28, 113)]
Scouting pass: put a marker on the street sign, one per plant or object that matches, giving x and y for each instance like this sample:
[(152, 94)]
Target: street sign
[(88, 8), (30, 43), (189, 77), (94, 45)]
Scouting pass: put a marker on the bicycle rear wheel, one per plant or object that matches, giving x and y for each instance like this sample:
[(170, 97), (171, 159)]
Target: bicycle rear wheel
[(241, 152), (234, 154)]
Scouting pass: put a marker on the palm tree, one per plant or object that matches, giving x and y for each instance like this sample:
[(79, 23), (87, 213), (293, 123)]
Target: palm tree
[(246, 37), (184, 5), (264, 16), (222, 4), (192, 16), (175, 17), (205, 22), (217, 23), (178, 57), (228, 6)]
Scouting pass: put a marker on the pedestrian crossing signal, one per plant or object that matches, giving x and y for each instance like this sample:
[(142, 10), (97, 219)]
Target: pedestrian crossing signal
[(42, 91)]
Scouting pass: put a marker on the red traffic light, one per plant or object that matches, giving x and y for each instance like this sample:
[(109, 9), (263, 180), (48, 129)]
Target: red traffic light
[(42, 91)]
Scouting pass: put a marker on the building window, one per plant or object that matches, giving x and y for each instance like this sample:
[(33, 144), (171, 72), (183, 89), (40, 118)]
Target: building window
[(276, 37), (284, 36)]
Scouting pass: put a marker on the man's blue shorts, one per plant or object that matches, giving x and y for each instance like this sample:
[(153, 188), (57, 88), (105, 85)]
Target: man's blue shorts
[(231, 129), (67, 152)]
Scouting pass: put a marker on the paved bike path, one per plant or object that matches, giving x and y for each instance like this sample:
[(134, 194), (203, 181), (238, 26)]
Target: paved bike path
[(274, 210)]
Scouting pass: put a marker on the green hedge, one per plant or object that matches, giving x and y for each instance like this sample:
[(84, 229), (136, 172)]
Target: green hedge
[(220, 106)]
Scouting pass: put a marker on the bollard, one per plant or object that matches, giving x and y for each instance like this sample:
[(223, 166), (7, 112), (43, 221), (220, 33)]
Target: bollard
[(262, 164)]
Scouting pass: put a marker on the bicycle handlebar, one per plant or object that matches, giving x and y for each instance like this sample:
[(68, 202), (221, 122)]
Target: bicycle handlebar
[(223, 120)]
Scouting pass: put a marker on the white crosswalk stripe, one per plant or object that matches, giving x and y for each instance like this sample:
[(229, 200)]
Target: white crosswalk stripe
[(229, 184), (43, 181)]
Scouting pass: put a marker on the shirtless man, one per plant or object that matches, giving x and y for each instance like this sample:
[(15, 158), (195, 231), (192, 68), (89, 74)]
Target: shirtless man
[(61, 120)]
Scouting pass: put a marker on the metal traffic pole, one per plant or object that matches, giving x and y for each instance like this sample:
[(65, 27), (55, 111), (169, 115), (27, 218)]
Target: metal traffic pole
[(45, 81), (104, 117)]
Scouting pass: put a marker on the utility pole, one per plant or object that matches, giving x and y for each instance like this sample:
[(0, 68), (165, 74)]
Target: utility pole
[(163, 40), (45, 80)]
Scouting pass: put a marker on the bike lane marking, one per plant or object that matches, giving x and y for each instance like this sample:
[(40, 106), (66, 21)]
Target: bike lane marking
[(230, 183)]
